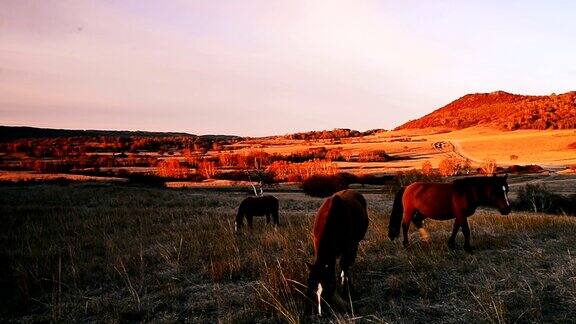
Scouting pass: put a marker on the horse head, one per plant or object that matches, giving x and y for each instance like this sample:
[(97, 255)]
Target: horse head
[(497, 194), (321, 283)]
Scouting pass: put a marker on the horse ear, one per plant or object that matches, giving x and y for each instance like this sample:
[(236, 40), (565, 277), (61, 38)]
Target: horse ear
[(506, 176)]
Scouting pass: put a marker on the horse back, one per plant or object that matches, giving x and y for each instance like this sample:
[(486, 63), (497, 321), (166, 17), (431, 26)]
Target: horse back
[(341, 221), (432, 200), (259, 206)]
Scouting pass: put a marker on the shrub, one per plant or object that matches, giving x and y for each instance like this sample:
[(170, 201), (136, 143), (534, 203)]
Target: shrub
[(323, 185), (372, 179), (404, 178), (171, 168), (427, 168), (373, 156), (489, 167), (207, 168), (307, 155), (524, 169), (539, 199), (286, 171), (448, 167)]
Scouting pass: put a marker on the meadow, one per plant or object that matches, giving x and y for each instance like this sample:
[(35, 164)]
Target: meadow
[(104, 252)]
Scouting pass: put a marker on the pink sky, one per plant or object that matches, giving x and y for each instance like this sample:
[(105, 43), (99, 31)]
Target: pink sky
[(261, 67)]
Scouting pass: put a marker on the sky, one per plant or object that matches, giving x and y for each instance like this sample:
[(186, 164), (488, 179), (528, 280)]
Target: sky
[(264, 67)]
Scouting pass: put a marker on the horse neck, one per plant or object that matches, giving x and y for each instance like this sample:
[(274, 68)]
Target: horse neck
[(322, 259), (479, 194)]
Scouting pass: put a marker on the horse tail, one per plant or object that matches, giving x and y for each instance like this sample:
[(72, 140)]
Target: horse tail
[(396, 215), (275, 210), (239, 217)]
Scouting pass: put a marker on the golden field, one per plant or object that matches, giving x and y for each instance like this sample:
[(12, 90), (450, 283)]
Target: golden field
[(548, 148)]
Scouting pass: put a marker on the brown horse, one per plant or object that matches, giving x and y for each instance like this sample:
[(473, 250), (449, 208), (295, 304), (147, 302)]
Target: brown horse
[(444, 201), (340, 225), (266, 205)]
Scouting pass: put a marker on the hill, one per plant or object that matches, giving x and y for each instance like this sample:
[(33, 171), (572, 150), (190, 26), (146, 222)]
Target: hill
[(503, 110), (8, 133)]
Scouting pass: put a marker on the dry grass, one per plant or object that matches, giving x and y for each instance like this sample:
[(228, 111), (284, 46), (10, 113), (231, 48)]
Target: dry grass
[(477, 143), (102, 252), (23, 176)]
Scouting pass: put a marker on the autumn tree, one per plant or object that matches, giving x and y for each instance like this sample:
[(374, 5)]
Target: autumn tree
[(207, 168), (427, 168), (171, 168), (448, 167), (488, 167)]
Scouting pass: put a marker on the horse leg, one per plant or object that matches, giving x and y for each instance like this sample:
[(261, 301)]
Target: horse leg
[(346, 261), (417, 220), (406, 225), (249, 220), (267, 218), (466, 232), (275, 218), (455, 229), (239, 222)]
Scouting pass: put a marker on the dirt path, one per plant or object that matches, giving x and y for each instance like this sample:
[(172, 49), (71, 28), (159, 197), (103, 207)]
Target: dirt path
[(453, 149)]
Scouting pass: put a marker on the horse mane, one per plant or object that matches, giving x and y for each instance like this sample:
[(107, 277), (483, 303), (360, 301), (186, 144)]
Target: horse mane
[(463, 184)]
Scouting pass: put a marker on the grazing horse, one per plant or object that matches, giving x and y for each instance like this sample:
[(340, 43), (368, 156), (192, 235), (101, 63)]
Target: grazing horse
[(340, 225), (444, 201), (257, 206)]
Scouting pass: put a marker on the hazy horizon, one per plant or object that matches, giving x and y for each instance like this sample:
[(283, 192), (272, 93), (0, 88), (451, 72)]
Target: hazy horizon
[(261, 68)]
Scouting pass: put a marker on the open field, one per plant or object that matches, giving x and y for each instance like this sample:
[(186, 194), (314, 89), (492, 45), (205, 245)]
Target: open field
[(284, 159), (27, 176), (549, 148), (102, 252)]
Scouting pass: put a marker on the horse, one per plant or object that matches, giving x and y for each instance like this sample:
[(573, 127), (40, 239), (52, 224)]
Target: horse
[(339, 226), (266, 205), (444, 201)]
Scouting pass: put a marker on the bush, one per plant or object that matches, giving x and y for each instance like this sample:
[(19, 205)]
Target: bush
[(453, 166), (323, 185), (427, 168), (488, 167), (286, 171), (537, 198), (404, 178), (372, 179), (172, 168), (524, 169), (448, 167)]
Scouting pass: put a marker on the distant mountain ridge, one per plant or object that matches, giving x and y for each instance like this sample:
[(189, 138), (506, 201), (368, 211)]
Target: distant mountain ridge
[(503, 110), (8, 133)]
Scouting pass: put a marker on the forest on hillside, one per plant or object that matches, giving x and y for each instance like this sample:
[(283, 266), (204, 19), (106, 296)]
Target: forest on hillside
[(504, 111)]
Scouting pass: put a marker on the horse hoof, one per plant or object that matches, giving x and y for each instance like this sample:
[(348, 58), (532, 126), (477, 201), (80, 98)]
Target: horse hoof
[(468, 249), (424, 236), (452, 245)]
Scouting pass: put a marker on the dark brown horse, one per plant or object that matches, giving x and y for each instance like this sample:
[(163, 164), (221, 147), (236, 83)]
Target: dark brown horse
[(443, 201), (257, 206), (340, 225)]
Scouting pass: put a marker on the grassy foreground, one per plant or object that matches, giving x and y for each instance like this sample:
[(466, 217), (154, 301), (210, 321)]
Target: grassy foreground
[(107, 252)]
